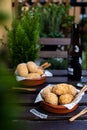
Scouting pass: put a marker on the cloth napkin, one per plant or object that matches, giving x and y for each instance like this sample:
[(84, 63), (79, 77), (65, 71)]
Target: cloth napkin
[(46, 73)]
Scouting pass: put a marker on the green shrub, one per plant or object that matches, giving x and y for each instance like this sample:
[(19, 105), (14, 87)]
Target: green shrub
[(23, 38), (55, 20)]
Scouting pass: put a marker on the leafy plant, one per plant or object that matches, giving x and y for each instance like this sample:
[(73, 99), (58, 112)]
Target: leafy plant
[(83, 34), (8, 107), (54, 20), (23, 38)]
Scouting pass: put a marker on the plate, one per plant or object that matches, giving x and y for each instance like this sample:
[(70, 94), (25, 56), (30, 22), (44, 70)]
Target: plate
[(33, 82), (59, 109)]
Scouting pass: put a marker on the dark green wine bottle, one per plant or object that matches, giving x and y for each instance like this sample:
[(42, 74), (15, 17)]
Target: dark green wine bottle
[(75, 54)]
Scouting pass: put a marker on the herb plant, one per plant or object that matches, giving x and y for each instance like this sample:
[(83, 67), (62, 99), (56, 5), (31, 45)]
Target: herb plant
[(23, 38), (55, 20)]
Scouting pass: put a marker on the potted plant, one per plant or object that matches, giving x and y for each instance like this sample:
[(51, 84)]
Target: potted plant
[(22, 39)]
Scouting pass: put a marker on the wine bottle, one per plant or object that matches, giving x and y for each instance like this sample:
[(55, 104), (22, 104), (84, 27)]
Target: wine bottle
[(75, 54)]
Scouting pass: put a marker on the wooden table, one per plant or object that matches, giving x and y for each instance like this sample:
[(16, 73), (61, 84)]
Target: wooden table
[(28, 121)]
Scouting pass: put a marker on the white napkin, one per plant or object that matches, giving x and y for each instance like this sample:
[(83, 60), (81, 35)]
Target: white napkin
[(46, 73), (69, 106)]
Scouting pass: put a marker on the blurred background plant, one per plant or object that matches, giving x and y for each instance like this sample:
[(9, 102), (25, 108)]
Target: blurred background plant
[(83, 24), (23, 38), (8, 107), (55, 20)]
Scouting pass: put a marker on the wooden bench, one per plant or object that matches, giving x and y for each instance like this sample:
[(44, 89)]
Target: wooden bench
[(54, 47)]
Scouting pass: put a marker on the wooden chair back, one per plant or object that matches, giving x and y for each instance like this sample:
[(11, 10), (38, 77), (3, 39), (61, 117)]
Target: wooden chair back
[(54, 47)]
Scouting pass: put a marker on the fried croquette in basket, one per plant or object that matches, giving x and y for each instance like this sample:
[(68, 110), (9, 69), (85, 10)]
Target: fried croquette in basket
[(51, 98), (60, 89), (33, 76), (32, 67), (29, 70), (46, 90), (22, 69), (72, 90), (64, 94), (65, 98)]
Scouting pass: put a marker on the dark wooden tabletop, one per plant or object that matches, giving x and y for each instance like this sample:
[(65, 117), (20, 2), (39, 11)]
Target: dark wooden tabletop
[(28, 121)]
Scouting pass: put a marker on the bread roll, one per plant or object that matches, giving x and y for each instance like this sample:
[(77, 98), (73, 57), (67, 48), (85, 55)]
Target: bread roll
[(65, 99), (51, 98), (32, 67), (22, 69), (60, 89), (33, 76), (72, 90), (46, 91), (40, 71)]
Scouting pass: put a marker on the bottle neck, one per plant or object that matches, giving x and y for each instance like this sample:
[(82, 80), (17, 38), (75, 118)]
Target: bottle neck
[(75, 46), (75, 35)]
